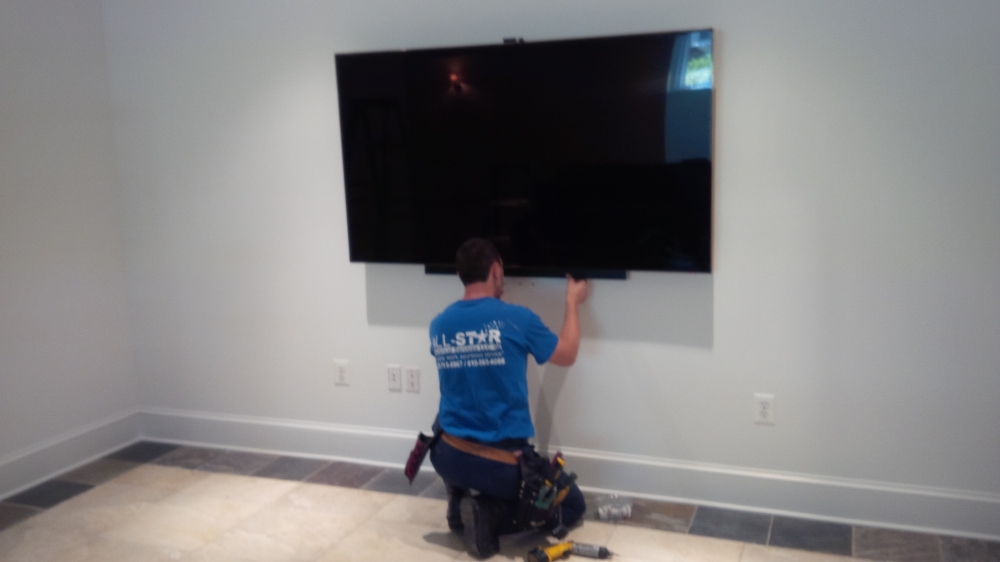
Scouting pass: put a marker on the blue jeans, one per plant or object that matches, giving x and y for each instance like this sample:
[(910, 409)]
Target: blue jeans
[(498, 480)]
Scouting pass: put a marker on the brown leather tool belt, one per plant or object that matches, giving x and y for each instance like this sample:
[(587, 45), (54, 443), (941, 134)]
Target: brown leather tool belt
[(484, 451)]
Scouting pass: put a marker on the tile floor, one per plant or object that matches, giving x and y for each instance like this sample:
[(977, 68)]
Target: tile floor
[(155, 502)]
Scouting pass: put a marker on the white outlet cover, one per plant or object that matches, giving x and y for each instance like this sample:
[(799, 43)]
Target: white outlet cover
[(395, 373), (763, 408), (412, 379)]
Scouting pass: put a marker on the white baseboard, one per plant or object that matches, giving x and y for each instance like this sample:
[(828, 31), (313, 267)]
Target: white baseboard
[(852, 501), (367, 445), (841, 500), (33, 465)]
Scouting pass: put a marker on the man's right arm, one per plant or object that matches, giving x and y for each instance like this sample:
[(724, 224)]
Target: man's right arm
[(569, 337)]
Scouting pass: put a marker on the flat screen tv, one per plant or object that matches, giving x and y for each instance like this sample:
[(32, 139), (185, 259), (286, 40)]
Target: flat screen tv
[(589, 156)]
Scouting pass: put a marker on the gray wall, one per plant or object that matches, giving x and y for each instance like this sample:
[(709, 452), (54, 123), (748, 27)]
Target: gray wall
[(65, 356), (856, 247), (856, 253)]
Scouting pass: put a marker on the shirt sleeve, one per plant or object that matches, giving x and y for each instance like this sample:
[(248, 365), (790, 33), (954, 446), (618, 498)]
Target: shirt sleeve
[(540, 339)]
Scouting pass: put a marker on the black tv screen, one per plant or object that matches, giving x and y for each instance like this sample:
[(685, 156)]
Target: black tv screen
[(581, 155)]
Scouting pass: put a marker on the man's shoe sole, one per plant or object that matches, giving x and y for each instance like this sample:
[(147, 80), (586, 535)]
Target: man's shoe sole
[(479, 539)]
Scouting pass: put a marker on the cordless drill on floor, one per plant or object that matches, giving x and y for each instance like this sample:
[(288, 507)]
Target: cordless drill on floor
[(556, 551)]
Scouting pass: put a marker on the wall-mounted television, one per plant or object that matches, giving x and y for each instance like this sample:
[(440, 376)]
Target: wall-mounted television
[(590, 156)]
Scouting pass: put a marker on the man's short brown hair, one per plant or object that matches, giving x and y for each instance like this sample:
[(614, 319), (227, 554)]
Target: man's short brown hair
[(474, 259)]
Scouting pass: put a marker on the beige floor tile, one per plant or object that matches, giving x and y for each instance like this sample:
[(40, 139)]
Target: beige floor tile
[(90, 519), (184, 527), (285, 534), (417, 510), (210, 555), (592, 532), (660, 546), (229, 487), (105, 550), (237, 544), (24, 543), (381, 541), (346, 502), (759, 553), (166, 478)]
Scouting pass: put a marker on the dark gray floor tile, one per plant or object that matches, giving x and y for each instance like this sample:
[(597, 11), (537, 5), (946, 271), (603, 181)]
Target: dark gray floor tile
[(818, 536), (346, 474), (292, 468), (435, 489), (188, 457), (666, 516), (10, 514), (594, 502), (48, 494), (650, 514), (394, 481), (895, 546), (99, 471), (969, 550), (730, 524), (143, 451), (237, 462)]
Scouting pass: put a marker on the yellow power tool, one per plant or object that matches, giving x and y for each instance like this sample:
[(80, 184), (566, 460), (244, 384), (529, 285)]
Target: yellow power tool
[(556, 551)]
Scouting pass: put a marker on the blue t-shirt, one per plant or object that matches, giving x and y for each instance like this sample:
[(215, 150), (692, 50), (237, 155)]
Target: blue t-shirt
[(481, 347)]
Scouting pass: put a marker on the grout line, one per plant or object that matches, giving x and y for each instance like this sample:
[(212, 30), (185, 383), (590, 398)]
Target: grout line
[(372, 479), (854, 531), (770, 526), (315, 472)]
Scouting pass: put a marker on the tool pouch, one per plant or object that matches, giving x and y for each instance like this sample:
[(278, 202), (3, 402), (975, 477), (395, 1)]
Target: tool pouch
[(424, 443), (544, 485)]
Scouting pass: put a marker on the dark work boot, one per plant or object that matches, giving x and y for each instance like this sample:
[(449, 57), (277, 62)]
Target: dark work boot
[(455, 496), (480, 518)]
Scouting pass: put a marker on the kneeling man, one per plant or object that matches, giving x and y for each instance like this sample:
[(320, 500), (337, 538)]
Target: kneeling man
[(481, 345)]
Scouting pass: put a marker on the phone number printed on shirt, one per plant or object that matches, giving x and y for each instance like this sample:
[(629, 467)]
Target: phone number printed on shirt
[(469, 349)]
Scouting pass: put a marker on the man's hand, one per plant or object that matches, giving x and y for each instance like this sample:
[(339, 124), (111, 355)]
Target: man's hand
[(569, 338), (576, 291)]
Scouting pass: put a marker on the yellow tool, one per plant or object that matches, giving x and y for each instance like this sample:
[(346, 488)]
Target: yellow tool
[(556, 551)]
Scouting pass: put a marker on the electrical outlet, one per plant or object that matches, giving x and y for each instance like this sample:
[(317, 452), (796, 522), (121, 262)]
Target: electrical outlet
[(412, 379), (340, 372), (395, 378), (763, 408)]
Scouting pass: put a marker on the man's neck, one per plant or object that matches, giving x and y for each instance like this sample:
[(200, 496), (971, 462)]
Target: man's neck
[(478, 291)]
